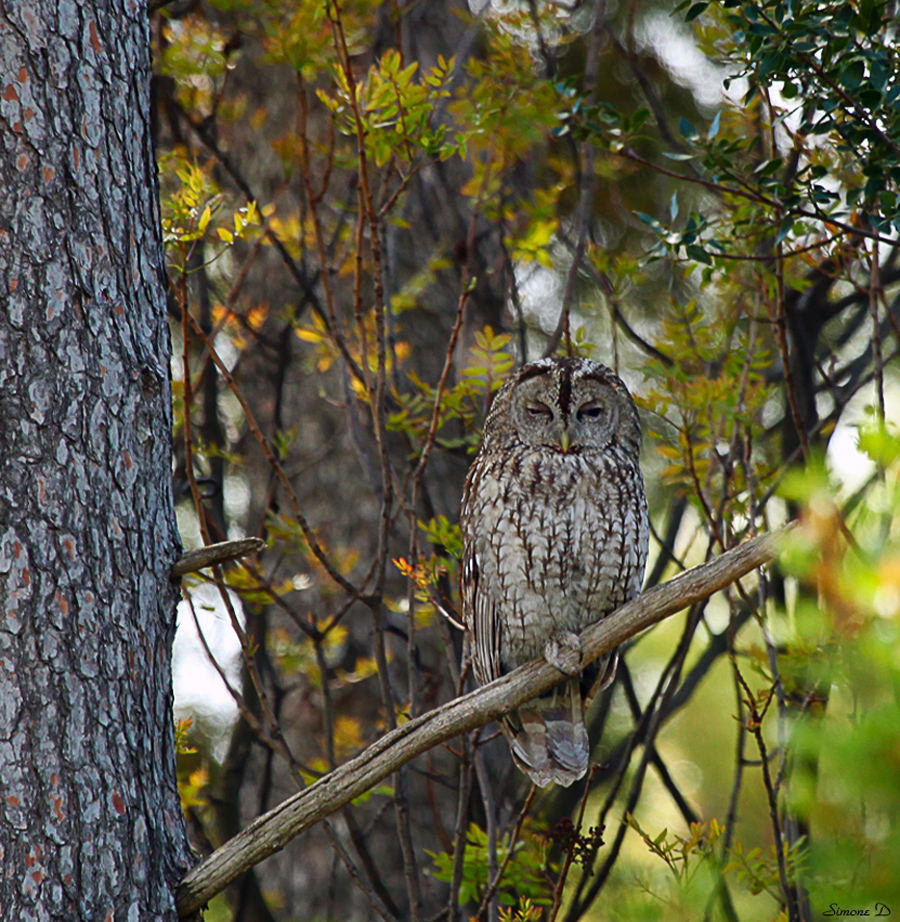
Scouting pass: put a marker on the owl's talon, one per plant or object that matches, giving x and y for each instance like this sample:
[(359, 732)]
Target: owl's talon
[(563, 650)]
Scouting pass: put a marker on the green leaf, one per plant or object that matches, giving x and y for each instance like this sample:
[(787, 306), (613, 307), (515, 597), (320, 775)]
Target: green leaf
[(650, 221), (695, 11), (852, 75), (687, 129), (784, 229)]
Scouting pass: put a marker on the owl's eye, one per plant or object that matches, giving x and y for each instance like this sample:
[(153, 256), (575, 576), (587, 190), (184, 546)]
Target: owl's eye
[(539, 410), (590, 411)]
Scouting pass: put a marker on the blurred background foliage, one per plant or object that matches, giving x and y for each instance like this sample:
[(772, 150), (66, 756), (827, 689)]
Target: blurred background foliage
[(373, 211)]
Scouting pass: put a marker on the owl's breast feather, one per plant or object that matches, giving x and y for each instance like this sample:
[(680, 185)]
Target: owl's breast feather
[(557, 539), (556, 554)]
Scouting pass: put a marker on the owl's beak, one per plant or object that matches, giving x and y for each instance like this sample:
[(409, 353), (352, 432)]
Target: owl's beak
[(565, 440)]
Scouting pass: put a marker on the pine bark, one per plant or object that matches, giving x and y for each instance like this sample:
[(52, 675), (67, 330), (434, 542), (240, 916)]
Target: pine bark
[(90, 820)]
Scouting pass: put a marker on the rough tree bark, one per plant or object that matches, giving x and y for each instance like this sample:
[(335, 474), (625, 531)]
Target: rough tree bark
[(90, 820)]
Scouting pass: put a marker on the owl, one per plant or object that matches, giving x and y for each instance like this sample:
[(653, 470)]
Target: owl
[(554, 523)]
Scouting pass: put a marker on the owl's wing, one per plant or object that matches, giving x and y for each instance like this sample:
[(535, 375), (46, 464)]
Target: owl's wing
[(481, 618)]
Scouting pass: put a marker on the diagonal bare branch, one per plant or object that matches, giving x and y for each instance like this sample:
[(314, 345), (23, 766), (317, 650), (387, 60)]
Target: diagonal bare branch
[(212, 554), (272, 831)]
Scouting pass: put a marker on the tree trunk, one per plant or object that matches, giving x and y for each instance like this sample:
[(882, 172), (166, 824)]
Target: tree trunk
[(90, 820)]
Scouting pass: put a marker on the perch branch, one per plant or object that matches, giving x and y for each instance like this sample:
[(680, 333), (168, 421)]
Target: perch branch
[(212, 554), (272, 831)]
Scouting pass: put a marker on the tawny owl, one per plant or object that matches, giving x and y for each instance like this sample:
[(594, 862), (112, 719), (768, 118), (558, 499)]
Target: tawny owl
[(554, 523)]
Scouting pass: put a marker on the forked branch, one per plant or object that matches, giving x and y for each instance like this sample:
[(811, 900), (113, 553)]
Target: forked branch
[(272, 831)]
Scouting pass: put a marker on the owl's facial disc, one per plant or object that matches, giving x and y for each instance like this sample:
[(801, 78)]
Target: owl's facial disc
[(550, 426), (537, 416), (562, 410), (593, 418)]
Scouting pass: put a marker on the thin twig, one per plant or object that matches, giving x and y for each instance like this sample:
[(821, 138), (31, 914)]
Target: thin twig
[(310, 538), (510, 850), (754, 727), (588, 175), (570, 852), (379, 421)]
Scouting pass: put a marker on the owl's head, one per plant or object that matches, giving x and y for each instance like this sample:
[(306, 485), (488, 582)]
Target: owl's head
[(565, 404)]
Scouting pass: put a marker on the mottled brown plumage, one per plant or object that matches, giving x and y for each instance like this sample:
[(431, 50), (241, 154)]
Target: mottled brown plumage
[(554, 523)]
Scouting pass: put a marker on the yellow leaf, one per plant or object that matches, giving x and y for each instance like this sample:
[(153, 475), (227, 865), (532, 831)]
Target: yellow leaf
[(347, 737), (204, 219), (256, 315), (226, 235), (199, 777)]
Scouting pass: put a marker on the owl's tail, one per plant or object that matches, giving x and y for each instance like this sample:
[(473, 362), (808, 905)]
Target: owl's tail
[(548, 737)]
